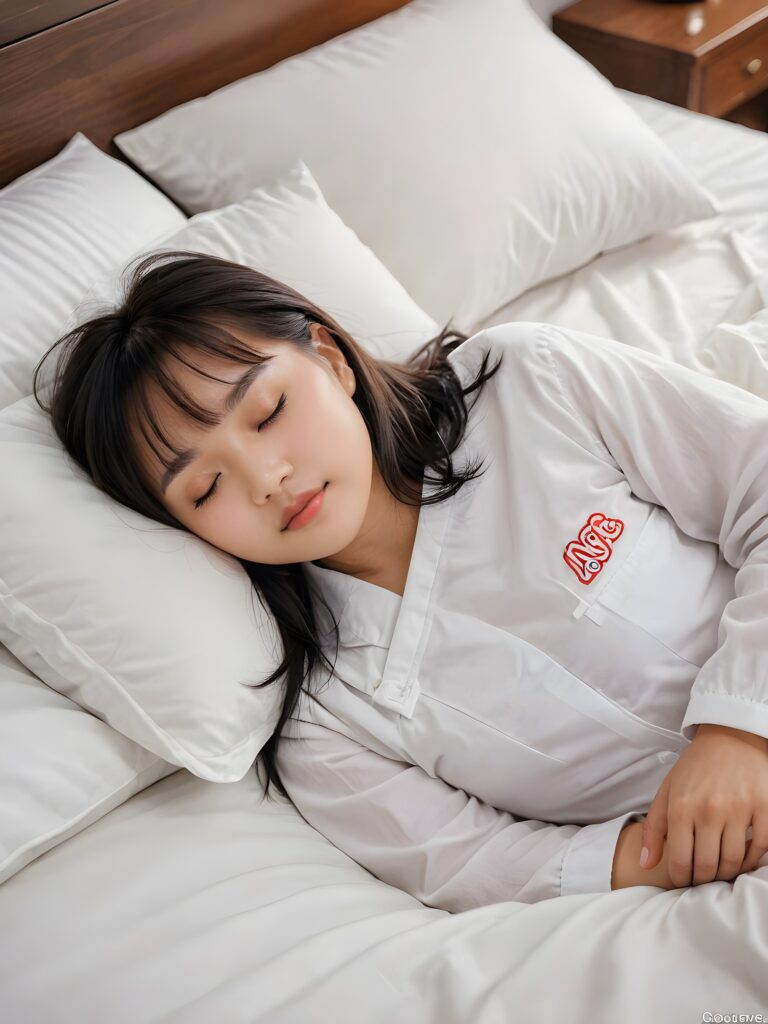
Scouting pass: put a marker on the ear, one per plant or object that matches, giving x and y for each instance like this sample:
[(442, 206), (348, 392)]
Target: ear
[(325, 345)]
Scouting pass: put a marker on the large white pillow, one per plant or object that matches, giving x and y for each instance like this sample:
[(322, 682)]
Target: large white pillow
[(150, 628), (60, 768), (62, 224), (469, 147), (286, 229)]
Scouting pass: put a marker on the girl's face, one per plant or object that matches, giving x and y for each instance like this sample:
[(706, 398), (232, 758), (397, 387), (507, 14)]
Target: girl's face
[(295, 429)]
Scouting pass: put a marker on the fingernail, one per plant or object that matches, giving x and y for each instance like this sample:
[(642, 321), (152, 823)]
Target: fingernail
[(643, 857)]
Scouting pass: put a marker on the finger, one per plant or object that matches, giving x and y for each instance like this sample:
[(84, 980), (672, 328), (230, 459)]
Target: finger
[(706, 850), (732, 850), (653, 841), (680, 846), (748, 862), (655, 828), (758, 845)]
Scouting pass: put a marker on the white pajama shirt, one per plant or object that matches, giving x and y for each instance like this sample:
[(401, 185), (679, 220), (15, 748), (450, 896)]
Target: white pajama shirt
[(568, 619)]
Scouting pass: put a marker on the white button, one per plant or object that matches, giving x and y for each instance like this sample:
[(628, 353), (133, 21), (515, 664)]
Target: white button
[(376, 684), (398, 697)]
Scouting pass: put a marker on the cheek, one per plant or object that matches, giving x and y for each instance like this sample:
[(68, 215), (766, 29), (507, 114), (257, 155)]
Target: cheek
[(231, 517), (331, 428), (357, 452)]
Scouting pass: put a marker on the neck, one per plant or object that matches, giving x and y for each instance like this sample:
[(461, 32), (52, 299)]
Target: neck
[(381, 551)]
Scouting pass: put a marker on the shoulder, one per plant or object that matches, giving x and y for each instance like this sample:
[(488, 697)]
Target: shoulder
[(565, 359), (522, 349), (522, 341), (546, 379)]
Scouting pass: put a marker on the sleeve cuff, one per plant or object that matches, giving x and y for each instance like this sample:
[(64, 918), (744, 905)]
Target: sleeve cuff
[(725, 709), (588, 861)]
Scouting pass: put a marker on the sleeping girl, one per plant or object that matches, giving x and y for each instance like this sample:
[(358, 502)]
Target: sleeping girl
[(520, 580)]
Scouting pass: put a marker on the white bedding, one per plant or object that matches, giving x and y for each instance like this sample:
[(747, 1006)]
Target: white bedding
[(669, 293), (229, 910)]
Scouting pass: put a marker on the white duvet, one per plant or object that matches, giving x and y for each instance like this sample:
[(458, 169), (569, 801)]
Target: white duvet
[(195, 902)]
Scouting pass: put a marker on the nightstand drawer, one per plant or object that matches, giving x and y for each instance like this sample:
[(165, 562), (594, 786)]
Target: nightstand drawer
[(736, 75)]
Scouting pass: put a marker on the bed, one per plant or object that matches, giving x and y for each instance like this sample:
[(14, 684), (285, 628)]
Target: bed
[(193, 901)]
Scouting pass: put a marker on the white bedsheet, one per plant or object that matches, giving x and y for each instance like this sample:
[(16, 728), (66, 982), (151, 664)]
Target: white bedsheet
[(192, 904), (669, 292), (195, 902)]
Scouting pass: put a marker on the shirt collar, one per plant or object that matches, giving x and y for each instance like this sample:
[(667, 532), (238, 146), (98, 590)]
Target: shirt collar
[(366, 613)]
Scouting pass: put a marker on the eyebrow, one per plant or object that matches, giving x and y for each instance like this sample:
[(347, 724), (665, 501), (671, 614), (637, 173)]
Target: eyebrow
[(234, 397)]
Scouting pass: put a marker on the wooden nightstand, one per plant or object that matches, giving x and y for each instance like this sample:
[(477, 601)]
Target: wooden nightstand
[(710, 56)]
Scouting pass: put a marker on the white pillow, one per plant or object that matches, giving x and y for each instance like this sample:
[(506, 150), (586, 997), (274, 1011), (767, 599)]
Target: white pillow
[(469, 147), (60, 768), (148, 627), (61, 224), (287, 230)]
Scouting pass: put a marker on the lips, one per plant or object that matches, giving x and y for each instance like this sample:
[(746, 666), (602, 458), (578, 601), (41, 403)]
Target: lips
[(301, 501)]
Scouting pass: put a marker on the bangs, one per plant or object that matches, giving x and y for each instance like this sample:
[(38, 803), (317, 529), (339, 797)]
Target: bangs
[(197, 335)]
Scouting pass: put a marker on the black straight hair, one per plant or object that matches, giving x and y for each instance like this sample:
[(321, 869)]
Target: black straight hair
[(174, 301)]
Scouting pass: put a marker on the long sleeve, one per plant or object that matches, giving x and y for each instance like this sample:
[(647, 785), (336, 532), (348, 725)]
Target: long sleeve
[(447, 848), (698, 446)]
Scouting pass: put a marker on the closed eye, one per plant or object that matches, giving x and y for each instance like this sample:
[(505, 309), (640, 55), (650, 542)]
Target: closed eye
[(199, 502)]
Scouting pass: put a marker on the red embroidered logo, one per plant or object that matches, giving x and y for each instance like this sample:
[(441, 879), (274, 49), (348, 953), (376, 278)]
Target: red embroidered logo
[(587, 555)]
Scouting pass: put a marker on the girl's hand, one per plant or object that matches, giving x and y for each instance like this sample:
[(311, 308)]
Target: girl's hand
[(705, 806), (626, 868)]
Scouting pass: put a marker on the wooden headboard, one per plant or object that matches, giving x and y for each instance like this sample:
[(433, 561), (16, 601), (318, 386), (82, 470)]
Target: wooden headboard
[(104, 67)]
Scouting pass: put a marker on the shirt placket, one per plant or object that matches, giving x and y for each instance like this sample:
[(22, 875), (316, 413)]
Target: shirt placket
[(398, 689)]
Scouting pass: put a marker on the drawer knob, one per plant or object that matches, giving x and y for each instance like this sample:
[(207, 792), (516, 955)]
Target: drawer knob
[(754, 66)]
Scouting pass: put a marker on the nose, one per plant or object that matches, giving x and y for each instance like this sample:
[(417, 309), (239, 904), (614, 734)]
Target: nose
[(265, 482), (263, 473)]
